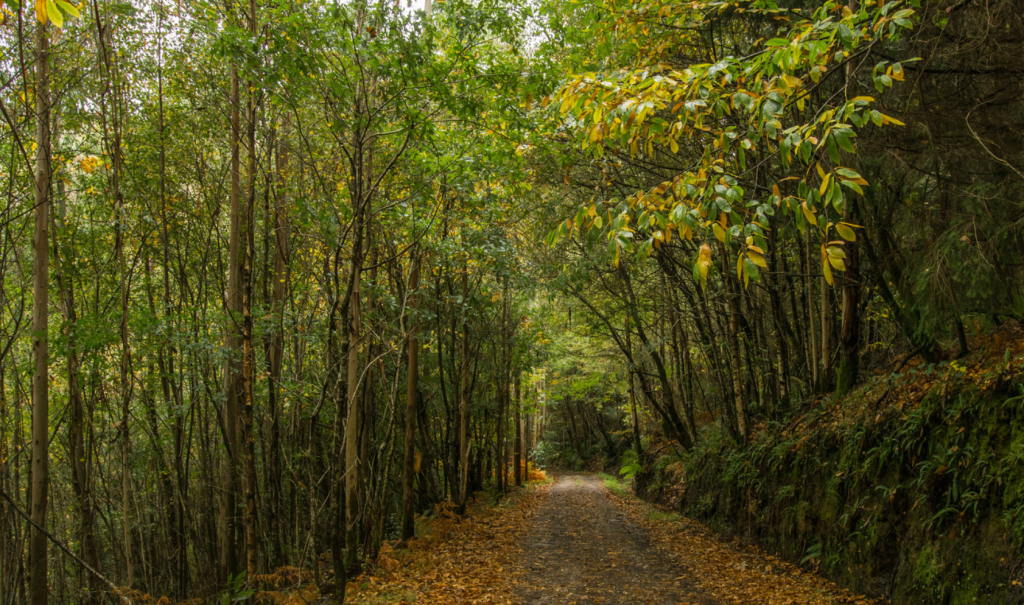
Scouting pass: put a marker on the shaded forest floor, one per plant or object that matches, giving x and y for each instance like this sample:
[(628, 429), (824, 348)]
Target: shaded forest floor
[(574, 541)]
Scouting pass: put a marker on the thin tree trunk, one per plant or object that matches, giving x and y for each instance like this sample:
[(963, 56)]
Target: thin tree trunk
[(227, 520), (411, 393), (849, 369), (632, 397), (40, 325), (276, 353), (464, 396), (517, 473), (826, 332), (809, 287), (734, 346), (352, 461), (248, 349)]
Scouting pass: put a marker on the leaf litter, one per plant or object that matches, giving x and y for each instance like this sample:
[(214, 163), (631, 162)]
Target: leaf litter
[(574, 542)]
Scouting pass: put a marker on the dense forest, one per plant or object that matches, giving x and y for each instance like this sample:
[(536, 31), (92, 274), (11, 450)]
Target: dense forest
[(282, 281)]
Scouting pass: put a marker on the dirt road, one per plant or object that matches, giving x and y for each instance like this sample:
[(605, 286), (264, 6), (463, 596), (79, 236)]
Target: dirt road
[(583, 550)]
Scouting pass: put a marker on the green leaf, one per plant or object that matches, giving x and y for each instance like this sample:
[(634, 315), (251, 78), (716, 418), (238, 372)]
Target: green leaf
[(833, 151), (852, 185), (843, 138), (750, 270), (69, 8), (848, 174), (845, 35)]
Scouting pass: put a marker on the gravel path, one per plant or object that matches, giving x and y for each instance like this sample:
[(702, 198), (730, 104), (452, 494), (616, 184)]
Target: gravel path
[(582, 550)]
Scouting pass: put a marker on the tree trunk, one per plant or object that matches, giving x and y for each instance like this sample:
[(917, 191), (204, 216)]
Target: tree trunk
[(734, 346), (849, 368), (464, 396), (276, 352), (809, 287), (227, 520), (40, 326), (248, 350), (517, 472), (352, 461), (409, 470), (849, 365), (826, 332)]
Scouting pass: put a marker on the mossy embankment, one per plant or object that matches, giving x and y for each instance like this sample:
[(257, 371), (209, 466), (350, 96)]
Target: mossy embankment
[(911, 488)]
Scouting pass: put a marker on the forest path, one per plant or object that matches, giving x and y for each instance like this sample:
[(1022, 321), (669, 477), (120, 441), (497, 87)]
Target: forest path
[(571, 541), (583, 550)]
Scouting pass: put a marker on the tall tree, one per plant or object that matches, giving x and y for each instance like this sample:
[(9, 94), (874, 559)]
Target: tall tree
[(411, 398), (40, 323)]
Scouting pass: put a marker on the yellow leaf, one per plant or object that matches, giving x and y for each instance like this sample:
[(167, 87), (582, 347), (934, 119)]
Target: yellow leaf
[(890, 120), (846, 233), (54, 14), (835, 252), (824, 184), (41, 10), (757, 259), (809, 214), (719, 232), (704, 262)]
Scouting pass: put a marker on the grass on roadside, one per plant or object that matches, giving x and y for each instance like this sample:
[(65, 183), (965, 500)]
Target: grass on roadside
[(614, 485), (619, 488), (664, 516)]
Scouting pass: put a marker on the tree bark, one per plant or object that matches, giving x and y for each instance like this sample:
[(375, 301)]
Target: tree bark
[(227, 520), (248, 348), (464, 444), (809, 287), (276, 352), (40, 326), (734, 346), (517, 473), (409, 470), (352, 461)]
